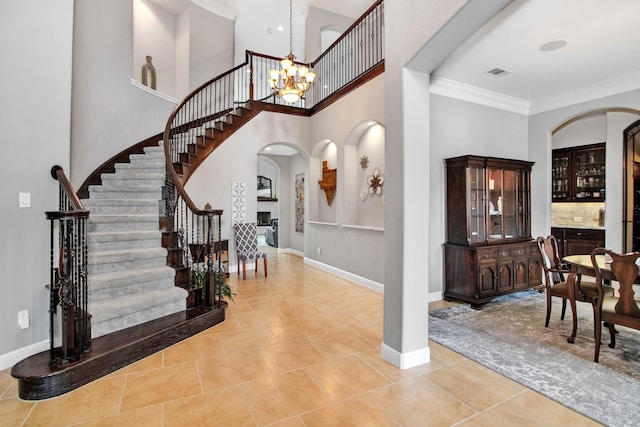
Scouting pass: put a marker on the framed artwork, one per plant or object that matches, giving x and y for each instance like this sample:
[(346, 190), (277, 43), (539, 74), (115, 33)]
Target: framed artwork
[(299, 214)]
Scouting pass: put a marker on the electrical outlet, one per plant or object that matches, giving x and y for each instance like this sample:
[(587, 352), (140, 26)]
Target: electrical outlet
[(319, 251), (577, 218)]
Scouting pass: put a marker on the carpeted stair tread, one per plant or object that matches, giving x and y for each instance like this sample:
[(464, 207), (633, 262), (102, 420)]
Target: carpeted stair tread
[(132, 178), (124, 188), (126, 218), (129, 203), (127, 192), (134, 303), (112, 255), (121, 236), (133, 222), (121, 206), (130, 282), (128, 310), (119, 240), (125, 278)]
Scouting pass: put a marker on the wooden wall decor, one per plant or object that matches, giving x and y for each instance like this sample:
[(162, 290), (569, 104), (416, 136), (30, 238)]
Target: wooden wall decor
[(328, 183)]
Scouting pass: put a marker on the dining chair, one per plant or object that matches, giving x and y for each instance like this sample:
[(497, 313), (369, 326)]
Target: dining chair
[(622, 309), (246, 238), (560, 281)]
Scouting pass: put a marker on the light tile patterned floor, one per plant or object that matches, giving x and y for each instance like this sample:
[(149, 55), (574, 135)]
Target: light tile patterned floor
[(299, 348)]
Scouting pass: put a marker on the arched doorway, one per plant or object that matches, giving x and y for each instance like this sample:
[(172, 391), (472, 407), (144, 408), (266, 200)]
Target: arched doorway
[(281, 163)]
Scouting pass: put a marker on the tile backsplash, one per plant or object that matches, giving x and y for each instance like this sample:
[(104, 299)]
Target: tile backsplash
[(582, 214)]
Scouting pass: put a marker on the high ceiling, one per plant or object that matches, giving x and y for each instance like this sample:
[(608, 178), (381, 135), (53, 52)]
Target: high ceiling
[(601, 55), (351, 8)]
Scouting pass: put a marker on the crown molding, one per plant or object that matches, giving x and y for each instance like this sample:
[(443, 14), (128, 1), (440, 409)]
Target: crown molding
[(464, 92), (622, 84), (214, 7)]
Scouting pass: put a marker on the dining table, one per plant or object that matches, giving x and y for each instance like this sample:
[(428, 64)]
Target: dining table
[(582, 265)]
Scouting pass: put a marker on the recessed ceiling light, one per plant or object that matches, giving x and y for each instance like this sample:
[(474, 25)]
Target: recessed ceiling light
[(371, 123), (280, 28), (268, 148), (553, 45)]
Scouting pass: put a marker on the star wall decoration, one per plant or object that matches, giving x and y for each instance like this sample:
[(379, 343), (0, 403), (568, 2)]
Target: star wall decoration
[(364, 162)]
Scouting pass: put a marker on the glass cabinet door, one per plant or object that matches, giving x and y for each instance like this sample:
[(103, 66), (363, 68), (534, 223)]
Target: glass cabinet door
[(524, 205), (560, 177), (495, 183), (589, 170), (477, 205), (510, 204)]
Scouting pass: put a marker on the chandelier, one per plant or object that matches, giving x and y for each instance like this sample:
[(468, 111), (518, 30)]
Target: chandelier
[(291, 82)]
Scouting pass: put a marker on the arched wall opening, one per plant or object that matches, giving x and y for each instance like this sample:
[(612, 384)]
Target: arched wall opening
[(285, 164), (364, 175), (323, 168), (603, 125)]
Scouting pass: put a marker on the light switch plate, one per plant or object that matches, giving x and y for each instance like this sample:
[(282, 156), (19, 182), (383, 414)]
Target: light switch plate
[(24, 200)]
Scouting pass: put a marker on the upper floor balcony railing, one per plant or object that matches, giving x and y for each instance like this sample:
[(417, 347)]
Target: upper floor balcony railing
[(219, 104)]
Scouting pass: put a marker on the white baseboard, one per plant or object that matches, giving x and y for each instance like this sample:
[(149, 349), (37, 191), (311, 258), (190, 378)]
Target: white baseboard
[(291, 251), (252, 265), (7, 360), (436, 296), (405, 360), (379, 287)]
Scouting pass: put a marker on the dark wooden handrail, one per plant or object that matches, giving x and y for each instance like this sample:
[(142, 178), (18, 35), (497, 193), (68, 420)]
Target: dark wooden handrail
[(58, 174), (109, 166), (347, 31)]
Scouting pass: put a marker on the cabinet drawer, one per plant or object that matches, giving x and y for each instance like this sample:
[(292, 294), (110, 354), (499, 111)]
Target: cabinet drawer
[(586, 234), (533, 250), (518, 251), (486, 254), (503, 252)]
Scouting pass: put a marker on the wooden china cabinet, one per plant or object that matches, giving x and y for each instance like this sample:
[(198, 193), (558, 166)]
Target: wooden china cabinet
[(489, 249)]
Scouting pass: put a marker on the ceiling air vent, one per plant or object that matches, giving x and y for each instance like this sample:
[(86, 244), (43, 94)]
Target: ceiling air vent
[(498, 72)]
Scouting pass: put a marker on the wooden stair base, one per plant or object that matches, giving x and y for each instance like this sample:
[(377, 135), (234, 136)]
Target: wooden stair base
[(38, 380)]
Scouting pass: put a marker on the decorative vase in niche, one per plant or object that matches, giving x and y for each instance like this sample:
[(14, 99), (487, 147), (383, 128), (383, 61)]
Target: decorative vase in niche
[(149, 74)]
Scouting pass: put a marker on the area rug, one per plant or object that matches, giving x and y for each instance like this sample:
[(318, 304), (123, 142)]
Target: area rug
[(509, 337)]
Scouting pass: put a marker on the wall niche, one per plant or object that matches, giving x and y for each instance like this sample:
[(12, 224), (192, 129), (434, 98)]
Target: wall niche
[(364, 176)]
